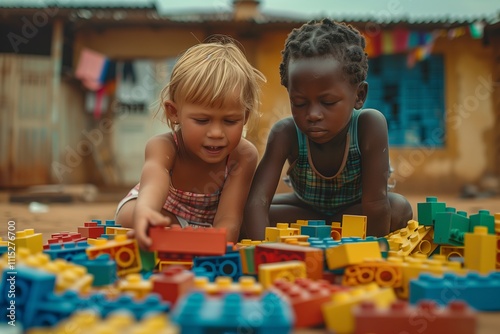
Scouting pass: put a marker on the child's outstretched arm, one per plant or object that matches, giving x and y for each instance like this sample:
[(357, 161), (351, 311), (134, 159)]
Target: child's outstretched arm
[(267, 177), (155, 181), (242, 163), (374, 148)]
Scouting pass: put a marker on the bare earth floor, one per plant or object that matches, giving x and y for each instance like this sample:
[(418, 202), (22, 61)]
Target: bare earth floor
[(67, 217)]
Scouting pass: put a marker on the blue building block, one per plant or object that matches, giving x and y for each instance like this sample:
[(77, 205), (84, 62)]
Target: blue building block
[(103, 268), (482, 218), (226, 265), (24, 288), (449, 225), (203, 272), (198, 313), (317, 229), (66, 250), (152, 303), (481, 292), (426, 211)]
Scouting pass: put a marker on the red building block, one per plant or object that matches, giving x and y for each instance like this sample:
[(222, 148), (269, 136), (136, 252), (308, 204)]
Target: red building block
[(188, 240), (279, 252), (306, 297), (427, 317), (172, 283), (91, 230)]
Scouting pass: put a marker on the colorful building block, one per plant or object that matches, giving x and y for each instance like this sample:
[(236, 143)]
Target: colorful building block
[(306, 297), (199, 313), (317, 229), (226, 265), (481, 292), (289, 270), (189, 240), (426, 317), (123, 251), (273, 234), (172, 283), (426, 211), (452, 253), (152, 303), (482, 218), (336, 232), (351, 253), (448, 225), (66, 250), (246, 285), (279, 252), (383, 272), (354, 226), (135, 285), (338, 312), (91, 230), (480, 250), (29, 239), (102, 267), (405, 240)]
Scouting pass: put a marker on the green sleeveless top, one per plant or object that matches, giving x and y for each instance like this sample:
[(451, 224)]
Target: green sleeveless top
[(328, 194)]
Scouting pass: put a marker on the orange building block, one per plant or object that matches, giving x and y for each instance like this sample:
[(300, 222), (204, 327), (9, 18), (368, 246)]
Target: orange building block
[(189, 240), (173, 283), (336, 232), (124, 251)]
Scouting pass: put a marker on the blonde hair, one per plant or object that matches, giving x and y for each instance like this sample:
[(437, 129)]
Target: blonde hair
[(209, 74)]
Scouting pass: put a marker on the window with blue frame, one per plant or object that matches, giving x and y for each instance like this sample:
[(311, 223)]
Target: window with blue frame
[(411, 99)]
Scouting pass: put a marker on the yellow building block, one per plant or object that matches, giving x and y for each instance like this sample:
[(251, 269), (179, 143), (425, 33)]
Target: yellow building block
[(124, 251), (450, 252), (300, 240), (273, 234), (135, 285), (299, 223), (224, 284), (354, 226), (381, 271), (411, 238), (117, 230), (336, 232), (288, 270), (480, 250), (164, 264), (352, 253), (247, 242), (338, 313), (29, 239)]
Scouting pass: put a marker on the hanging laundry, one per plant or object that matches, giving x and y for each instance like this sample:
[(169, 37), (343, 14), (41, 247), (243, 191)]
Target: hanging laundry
[(91, 69)]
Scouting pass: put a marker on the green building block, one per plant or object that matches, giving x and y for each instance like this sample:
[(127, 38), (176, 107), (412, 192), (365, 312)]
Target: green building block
[(449, 225), (427, 211), (482, 218)]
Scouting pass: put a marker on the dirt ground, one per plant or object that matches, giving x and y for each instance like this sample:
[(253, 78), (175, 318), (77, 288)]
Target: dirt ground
[(62, 217)]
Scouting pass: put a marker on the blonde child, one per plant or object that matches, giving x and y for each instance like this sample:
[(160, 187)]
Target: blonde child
[(200, 173), (337, 151)]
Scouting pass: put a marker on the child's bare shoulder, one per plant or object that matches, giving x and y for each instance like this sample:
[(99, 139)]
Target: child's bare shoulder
[(372, 129), (162, 143), (370, 117), (245, 150), (283, 129)]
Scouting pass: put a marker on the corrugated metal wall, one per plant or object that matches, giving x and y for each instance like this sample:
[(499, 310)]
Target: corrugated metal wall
[(25, 123)]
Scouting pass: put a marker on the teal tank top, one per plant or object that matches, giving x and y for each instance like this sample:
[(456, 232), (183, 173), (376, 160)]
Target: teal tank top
[(328, 194)]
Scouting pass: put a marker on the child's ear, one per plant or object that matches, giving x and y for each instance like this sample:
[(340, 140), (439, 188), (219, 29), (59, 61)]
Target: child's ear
[(361, 94), (171, 111)]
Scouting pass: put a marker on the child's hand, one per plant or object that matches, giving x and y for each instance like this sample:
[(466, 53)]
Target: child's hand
[(143, 219)]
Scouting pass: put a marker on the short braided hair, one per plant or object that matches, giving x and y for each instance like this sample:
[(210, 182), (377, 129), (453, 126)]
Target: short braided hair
[(327, 37)]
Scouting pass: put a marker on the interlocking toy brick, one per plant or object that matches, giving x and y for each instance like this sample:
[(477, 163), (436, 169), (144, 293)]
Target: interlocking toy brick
[(317, 229), (279, 252), (300, 240), (91, 230), (189, 240), (482, 218), (298, 224), (426, 211), (336, 232), (289, 270), (63, 237), (273, 234), (226, 265), (306, 297), (354, 226), (123, 251), (349, 253), (480, 250), (172, 283), (448, 224), (135, 285), (338, 312), (385, 273), (481, 292), (246, 285), (426, 317), (66, 250), (103, 268), (29, 239), (405, 240), (452, 252), (233, 313)]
